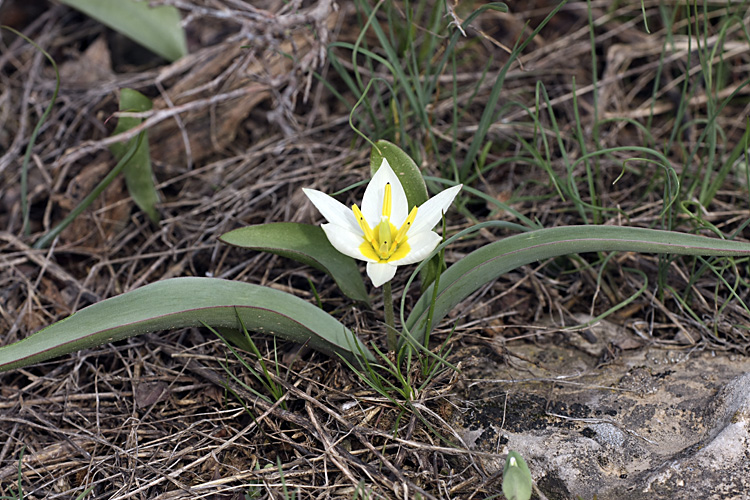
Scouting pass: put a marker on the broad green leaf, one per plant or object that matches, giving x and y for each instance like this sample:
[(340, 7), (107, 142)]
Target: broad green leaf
[(491, 261), (182, 303), (516, 478), (306, 244), (404, 167), (159, 29), (138, 174)]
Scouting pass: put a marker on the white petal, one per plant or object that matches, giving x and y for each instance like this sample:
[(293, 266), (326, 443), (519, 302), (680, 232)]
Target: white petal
[(420, 245), (372, 202), (345, 241), (432, 210), (334, 211), (380, 273)]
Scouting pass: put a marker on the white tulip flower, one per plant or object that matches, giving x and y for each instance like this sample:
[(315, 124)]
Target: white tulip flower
[(383, 233)]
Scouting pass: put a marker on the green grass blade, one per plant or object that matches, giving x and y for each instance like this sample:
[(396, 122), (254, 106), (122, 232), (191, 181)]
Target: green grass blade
[(47, 239), (139, 176), (450, 49), (402, 81), (490, 200), (25, 229), (159, 29), (489, 262), (306, 244), (488, 116), (714, 185), (182, 303)]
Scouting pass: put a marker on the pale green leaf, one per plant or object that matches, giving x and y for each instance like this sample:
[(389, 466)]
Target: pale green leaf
[(139, 176), (306, 244), (491, 261), (158, 29), (517, 483), (187, 302)]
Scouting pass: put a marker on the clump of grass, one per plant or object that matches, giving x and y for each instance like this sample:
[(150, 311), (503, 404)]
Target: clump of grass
[(419, 46)]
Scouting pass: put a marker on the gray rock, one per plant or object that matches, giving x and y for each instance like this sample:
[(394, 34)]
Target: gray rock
[(651, 424)]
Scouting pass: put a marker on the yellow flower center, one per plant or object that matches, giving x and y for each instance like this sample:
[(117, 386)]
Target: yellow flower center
[(384, 242)]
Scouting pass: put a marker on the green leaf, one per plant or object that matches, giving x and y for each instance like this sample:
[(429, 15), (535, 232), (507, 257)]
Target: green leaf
[(182, 303), (159, 29), (404, 167), (491, 261), (306, 244), (516, 478), (139, 176)]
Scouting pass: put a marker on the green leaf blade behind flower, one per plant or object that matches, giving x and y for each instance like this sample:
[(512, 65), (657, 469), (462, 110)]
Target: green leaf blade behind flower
[(404, 167), (159, 29), (491, 261), (307, 244), (138, 173), (182, 303)]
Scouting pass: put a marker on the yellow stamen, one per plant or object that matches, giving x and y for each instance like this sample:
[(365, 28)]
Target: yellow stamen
[(369, 235), (403, 229), (387, 201)]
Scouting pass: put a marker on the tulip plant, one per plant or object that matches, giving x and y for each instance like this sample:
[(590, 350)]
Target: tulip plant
[(392, 228), (384, 233)]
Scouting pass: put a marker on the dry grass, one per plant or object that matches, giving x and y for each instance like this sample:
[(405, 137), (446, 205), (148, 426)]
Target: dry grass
[(235, 135)]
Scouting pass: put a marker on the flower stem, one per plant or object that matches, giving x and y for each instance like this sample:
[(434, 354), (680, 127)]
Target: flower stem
[(390, 324)]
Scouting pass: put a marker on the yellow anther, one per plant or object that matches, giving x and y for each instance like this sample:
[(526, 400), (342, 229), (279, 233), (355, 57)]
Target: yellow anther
[(369, 235), (403, 229), (387, 201)]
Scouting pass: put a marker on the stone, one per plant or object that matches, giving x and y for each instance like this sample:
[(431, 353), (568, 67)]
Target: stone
[(651, 423)]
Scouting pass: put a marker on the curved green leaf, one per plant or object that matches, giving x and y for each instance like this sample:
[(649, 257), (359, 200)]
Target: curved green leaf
[(489, 262), (306, 244), (139, 176), (159, 29), (182, 303), (404, 167)]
